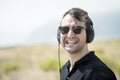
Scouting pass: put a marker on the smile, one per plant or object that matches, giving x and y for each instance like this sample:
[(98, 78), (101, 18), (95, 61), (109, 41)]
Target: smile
[(71, 42)]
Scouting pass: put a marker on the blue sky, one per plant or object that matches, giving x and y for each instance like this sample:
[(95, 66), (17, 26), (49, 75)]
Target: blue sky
[(20, 19)]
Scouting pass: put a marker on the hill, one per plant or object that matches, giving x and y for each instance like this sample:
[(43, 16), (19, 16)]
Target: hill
[(40, 62)]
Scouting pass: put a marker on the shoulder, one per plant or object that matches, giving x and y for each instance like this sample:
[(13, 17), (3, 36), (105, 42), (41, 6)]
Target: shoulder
[(102, 73)]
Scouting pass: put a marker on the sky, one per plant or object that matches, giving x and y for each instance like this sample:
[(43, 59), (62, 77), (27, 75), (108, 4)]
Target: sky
[(20, 19)]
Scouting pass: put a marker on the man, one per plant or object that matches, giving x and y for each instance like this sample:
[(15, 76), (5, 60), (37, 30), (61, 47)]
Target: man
[(74, 34)]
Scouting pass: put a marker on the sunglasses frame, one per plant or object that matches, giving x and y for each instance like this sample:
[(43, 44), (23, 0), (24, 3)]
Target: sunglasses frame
[(75, 29)]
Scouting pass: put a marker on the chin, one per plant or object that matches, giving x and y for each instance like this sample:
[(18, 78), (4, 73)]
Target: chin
[(71, 51)]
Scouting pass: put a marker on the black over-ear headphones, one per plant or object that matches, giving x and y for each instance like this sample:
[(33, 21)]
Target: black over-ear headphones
[(58, 35), (89, 32)]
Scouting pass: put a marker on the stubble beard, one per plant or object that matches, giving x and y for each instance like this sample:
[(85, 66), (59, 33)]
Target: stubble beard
[(80, 47)]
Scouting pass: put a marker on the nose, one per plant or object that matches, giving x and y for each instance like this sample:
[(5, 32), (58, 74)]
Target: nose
[(71, 33)]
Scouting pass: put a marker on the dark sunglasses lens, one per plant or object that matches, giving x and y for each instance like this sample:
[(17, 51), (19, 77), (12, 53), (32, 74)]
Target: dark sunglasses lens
[(64, 30), (77, 29)]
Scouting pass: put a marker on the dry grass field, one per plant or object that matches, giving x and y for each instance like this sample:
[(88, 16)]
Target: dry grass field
[(40, 62)]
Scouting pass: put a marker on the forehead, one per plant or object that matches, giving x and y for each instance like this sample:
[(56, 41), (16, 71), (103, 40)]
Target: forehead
[(69, 20)]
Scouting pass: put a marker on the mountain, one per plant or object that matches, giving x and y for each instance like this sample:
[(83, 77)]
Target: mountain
[(106, 26)]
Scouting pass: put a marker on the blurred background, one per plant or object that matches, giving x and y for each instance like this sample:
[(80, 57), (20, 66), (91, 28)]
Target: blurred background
[(28, 30)]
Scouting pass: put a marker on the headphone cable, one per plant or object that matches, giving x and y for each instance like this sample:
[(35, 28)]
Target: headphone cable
[(59, 57)]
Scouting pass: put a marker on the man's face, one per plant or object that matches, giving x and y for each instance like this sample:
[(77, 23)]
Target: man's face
[(70, 41)]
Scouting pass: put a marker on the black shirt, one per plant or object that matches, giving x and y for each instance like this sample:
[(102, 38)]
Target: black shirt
[(90, 67)]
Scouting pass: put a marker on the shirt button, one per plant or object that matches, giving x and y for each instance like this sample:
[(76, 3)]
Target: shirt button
[(67, 78)]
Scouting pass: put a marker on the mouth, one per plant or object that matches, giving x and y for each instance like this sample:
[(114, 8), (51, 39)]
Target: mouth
[(71, 45), (71, 42)]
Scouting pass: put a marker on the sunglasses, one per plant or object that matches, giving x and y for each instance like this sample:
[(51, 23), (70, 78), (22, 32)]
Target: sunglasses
[(76, 29)]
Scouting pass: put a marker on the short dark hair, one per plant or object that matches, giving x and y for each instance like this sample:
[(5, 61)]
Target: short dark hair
[(79, 14)]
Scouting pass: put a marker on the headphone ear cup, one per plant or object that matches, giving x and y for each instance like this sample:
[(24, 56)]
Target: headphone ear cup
[(89, 32), (58, 35)]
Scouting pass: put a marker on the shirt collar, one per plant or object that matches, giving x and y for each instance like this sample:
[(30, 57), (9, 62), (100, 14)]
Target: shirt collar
[(84, 60)]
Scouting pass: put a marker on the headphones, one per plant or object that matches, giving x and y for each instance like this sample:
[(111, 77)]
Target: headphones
[(89, 32)]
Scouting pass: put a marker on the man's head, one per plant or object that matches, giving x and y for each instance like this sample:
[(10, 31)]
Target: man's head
[(75, 30)]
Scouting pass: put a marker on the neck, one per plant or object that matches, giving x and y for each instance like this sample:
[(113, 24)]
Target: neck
[(77, 56)]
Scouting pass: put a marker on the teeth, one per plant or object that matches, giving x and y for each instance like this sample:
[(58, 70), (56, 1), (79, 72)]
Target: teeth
[(70, 42)]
